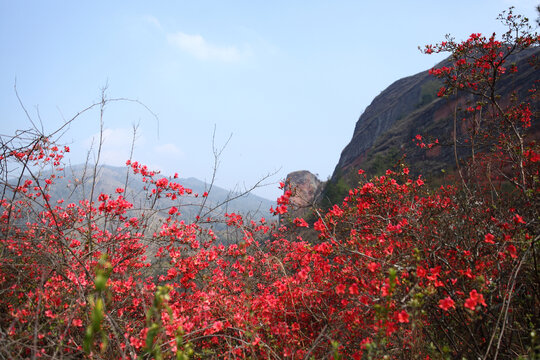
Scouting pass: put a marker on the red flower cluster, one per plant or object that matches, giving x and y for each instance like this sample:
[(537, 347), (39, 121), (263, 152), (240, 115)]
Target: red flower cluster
[(398, 269)]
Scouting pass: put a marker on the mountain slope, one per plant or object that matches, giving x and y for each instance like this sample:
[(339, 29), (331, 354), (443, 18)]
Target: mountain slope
[(383, 134), (77, 180)]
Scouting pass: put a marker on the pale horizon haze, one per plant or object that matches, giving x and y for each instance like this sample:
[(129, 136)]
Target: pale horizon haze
[(285, 80)]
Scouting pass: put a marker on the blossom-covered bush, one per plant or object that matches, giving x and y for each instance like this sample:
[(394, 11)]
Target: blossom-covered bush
[(396, 270)]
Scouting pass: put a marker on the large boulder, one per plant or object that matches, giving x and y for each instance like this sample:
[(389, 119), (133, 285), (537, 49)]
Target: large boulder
[(305, 188)]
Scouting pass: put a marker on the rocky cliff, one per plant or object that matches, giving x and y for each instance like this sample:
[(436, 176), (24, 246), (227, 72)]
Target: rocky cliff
[(383, 134)]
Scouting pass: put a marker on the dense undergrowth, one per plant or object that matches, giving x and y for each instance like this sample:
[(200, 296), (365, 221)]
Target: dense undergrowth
[(398, 269)]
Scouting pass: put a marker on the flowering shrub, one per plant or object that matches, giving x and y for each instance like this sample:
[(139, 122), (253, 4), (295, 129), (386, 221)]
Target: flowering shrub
[(397, 270), (492, 126)]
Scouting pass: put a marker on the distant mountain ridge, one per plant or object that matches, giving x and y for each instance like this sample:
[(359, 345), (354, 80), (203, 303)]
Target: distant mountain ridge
[(76, 184)]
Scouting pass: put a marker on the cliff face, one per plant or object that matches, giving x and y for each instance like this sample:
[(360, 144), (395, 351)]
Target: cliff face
[(394, 103), (410, 106), (383, 135)]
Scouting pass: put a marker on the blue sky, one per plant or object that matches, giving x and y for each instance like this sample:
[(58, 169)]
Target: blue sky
[(288, 79)]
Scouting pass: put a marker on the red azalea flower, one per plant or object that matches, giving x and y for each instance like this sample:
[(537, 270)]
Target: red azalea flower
[(340, 289), (447, 303), (403, 317), (489, 239), (474, 299)]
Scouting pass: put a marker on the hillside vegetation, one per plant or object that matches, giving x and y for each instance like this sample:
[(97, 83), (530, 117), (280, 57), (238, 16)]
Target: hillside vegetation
[(397, 269)]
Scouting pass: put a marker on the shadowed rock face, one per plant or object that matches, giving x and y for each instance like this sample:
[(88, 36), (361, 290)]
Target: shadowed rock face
[(383, 135), (393, 103), (306, 188), (410, 106)]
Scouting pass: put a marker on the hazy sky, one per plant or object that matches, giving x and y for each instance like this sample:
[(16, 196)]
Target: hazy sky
[(288, 79)]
